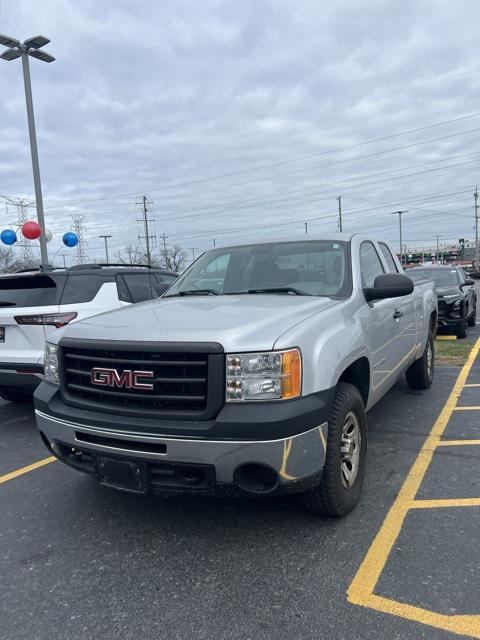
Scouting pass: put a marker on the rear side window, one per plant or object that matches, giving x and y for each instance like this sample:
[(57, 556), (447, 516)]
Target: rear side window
[(30, 291), (370, 264), (392, 267), (138, 287), (81, 288)]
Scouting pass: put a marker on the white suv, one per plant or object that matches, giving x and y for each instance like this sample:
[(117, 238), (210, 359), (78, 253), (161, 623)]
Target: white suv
[(35, 304)]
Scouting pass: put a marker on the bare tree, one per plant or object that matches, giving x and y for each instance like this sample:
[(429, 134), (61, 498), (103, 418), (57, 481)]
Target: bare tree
[(131, 255), (10, 263), (173, 259)]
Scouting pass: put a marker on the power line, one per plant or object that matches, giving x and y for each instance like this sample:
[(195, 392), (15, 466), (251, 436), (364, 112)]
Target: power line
[(281, 162)]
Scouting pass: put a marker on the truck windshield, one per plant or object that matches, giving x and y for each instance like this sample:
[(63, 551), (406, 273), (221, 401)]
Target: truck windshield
[(441, 277), (318, 267)]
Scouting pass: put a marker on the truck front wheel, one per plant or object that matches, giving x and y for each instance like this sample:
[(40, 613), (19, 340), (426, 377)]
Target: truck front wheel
[(344, 468)]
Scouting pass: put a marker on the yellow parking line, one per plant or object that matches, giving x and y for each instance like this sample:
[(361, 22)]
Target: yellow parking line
[(467, 409), (361, 590), (27, 469), (449, 502), (441, 338), (457, 443), (466, 386)]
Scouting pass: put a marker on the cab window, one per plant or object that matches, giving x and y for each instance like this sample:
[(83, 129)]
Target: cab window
[(370, 264), (387, 254)]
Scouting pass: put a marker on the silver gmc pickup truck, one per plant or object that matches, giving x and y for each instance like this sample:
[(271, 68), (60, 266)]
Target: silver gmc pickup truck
[(251, 375)]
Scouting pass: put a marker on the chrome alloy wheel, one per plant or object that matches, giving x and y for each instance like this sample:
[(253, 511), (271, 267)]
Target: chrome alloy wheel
[(350, 450)]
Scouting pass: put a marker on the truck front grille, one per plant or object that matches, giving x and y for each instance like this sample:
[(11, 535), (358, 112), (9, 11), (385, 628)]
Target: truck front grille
[(181, 383)]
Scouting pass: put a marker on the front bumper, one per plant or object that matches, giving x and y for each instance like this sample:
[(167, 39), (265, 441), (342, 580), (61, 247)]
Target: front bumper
[(282, 465)]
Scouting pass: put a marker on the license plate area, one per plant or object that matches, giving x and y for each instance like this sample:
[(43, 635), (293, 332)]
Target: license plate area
[(123, 474)]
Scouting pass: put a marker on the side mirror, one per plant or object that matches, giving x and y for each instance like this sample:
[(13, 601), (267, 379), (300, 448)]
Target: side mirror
[(389, 285), (469, 283)]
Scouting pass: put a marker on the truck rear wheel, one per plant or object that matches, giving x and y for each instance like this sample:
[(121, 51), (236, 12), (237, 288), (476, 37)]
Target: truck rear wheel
[(420, 373), (344, 468)]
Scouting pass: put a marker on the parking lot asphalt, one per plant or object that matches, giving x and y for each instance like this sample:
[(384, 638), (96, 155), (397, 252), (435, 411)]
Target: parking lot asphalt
[(79, 560)]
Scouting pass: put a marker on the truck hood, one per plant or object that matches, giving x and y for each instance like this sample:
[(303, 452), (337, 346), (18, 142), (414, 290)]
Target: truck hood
[(242, 322)]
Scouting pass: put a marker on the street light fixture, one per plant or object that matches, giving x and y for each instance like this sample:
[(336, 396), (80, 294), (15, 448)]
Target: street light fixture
[(16, 49)]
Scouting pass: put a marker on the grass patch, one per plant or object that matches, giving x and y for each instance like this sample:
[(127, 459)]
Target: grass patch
[(452, 353)]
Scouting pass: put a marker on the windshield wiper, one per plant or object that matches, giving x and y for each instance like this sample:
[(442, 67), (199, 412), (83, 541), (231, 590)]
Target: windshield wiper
[(8, 304), (193, 292), (297, 292)]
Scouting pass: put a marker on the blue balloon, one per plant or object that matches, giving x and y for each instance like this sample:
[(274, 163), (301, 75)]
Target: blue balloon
[(8, 236), (70, 239)]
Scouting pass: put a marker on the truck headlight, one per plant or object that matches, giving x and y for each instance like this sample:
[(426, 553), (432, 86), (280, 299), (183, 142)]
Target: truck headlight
[(50, 363), (272, 375)]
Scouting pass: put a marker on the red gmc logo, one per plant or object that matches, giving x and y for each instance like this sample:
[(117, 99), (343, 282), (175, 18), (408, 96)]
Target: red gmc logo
[(127, 379)]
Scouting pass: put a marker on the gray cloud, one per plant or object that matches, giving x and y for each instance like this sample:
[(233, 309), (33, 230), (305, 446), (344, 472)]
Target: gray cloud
[(144, 96)]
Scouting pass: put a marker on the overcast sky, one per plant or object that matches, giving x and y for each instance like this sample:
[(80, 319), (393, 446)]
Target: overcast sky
[(243, 119)]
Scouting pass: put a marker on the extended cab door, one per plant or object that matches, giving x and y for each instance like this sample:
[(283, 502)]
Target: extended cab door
[(408, 311), (384, 323)]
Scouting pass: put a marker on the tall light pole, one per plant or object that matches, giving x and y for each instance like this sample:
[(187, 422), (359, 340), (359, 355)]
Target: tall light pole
[(16, 49), (106, 245), (400, 213)]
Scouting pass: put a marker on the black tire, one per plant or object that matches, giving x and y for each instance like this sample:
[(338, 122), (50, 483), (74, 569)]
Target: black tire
[(462, 329), (472, 319), (16, 396), (332, 497), (420, 373)]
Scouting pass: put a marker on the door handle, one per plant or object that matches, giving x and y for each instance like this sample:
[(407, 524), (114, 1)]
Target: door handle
[(397, 314)]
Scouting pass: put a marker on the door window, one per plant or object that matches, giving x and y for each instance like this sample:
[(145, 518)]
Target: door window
[(370, 264), (392, 267), (81, 288)]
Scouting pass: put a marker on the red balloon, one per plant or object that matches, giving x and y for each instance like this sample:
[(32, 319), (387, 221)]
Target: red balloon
[(31, 230)]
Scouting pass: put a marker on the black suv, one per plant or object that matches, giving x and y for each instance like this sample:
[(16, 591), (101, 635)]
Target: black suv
[(457, 298)]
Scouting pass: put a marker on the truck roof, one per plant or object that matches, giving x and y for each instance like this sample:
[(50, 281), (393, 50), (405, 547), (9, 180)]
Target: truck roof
[(329, 237)]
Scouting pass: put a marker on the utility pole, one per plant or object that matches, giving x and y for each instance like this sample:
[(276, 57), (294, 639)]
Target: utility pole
[(64, 263), (106, 245), (214, 242), (400, 213), (475, 195), (438, 252), (147, 236), (340, 226), (165, 253), (193, 249), (306, 227)]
